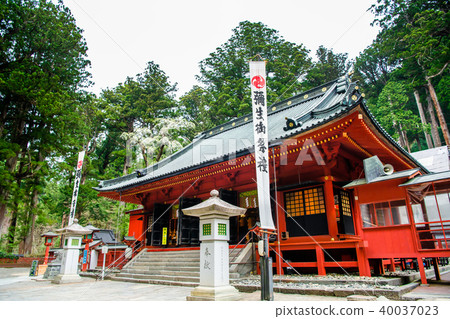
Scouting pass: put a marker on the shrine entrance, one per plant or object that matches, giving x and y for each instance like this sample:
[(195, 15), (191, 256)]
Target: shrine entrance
[(344, 213), (305, 212)]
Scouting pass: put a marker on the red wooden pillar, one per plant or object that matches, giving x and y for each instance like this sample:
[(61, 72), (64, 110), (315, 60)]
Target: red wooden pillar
[(392, 265), (423, 276), (363, 262), (47, 250), (436, 268), (329, 207), (320, 261)]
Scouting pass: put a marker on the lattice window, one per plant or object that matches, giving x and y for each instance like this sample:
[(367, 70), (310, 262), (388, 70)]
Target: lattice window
[(305, 202), (345, 204), (206, 229), (222, 229)]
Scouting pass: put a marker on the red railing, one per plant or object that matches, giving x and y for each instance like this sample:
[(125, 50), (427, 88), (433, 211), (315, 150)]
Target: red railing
[(433, 235)]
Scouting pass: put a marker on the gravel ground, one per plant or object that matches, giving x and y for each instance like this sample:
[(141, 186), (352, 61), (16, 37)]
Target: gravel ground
[(329, 281)]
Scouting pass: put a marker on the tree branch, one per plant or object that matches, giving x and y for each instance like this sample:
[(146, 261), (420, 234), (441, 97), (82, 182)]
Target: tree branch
[(437, 74)]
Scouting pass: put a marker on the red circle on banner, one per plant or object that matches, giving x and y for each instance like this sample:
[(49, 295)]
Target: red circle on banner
[(80, 164), (258, 81)]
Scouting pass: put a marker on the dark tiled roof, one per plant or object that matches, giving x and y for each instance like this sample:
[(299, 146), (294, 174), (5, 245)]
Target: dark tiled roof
[(105, 235), (285, 119)]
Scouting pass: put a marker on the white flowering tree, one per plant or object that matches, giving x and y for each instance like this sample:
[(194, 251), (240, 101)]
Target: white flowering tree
[(158, 141)]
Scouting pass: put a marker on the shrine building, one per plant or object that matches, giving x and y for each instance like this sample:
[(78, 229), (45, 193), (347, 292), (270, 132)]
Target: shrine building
[(345, 196)]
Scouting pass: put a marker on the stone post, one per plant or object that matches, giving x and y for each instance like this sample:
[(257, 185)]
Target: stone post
[(72, 244), (214, 215)]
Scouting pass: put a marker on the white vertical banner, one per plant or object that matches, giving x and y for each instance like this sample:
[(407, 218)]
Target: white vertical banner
[(261, 140), (76, 187)]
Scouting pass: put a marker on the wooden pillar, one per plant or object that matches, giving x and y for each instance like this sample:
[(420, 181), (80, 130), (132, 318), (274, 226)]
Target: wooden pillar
[(378, 267), (329, 206), (392, 265), (363, 262), (47, 251), (320, 261), (423, 276), (436, 268)]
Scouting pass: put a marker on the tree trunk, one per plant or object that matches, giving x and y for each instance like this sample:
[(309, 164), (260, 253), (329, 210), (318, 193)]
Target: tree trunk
[(439, 113), (160, 153), (10, 165), (128, 151), (423, 119), (418, 142), (398, 128), (434, 124), (12, 229), (404, 137), (28, 241)]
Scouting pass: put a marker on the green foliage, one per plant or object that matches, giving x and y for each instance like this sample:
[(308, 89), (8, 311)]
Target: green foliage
[(412, 47), (42, 69), (391, 110), (194, 107), (329, 67), (225, 71), (8, 255)]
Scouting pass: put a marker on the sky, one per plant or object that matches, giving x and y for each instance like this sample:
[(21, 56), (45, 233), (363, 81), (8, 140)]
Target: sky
[(123, 35)]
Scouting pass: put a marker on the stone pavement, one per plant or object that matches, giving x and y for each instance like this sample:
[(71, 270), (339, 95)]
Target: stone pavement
[(15, 285), (433, 291)]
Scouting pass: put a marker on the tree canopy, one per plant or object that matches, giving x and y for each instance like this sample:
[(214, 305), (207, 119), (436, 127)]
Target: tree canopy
[(47, 115), (225, 72)]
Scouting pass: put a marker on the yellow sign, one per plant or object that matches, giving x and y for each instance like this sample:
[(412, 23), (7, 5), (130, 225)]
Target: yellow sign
[(164, 236)]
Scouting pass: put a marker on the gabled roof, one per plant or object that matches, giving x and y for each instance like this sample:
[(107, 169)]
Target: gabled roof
[(434, 159), (396, 175), (288, 118), (105, 235), (441, 176)]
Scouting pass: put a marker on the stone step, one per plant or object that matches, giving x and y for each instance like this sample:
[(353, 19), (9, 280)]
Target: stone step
[(172, 253), (138, 264), (156, 282), (168, 259), (170, 268), (164, 272), (160, 277)]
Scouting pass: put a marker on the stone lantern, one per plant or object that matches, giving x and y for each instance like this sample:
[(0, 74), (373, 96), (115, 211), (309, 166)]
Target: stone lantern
[(48, 242), (214, 215), (72, 244), (87, 239)]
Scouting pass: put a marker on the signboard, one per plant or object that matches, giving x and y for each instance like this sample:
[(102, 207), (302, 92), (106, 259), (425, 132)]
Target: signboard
[(261, 141), (164, 236), (248, 199), (85, 256), (76, 186), (104, 249), (33, 269)]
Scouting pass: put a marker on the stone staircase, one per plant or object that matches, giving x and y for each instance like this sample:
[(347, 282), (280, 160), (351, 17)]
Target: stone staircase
[(174, 267)]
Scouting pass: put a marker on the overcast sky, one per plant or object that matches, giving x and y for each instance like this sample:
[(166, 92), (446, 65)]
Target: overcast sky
[(122, 36)]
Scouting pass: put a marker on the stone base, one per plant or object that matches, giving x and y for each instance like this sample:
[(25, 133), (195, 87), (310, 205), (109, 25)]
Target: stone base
[(64, 279), (41, 269), (223, 293)]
